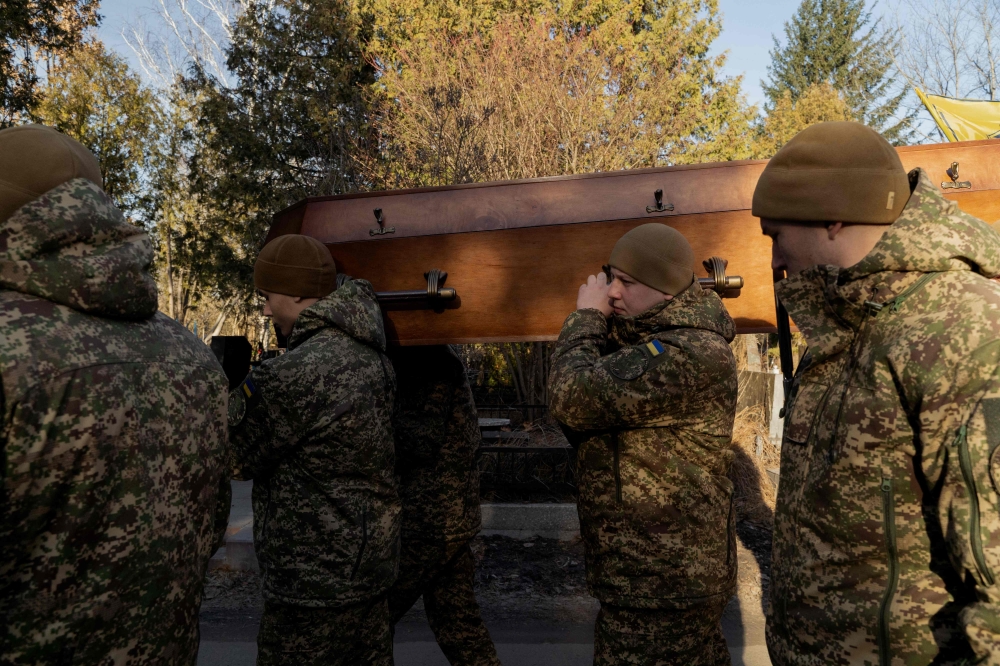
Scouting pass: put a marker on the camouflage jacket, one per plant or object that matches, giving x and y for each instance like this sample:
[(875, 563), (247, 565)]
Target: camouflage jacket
[(887, 531), (653, 421), (313, 429), (114, 444), (437, 445)]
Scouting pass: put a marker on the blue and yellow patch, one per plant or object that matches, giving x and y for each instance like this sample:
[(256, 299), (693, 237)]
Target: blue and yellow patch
[(655, 348), (240, 399), (248, 388)]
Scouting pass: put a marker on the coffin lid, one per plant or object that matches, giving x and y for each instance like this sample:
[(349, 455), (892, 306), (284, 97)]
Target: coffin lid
[(593, 197)]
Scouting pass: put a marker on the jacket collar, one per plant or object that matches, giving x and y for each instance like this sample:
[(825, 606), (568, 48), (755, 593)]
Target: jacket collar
[(692, 308), (828, 304)]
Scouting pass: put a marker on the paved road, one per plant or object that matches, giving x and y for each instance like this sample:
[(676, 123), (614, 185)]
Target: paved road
[(229, 638), (229, 641)]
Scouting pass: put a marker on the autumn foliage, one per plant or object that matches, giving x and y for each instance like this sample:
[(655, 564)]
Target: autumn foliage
[(534, 98)]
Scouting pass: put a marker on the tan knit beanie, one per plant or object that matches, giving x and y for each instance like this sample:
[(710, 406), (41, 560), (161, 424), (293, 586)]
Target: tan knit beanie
[(295, 265), (833, 172), (35, 159), (656, 255)]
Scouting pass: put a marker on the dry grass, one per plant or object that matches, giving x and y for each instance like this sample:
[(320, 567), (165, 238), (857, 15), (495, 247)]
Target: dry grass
[(544, 432), (755, 494)]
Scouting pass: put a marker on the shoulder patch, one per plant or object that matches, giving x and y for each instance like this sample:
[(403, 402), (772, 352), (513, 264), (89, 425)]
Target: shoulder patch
[(629, 363), (655, 348), (248, 387), (239, 399), (237, 406)]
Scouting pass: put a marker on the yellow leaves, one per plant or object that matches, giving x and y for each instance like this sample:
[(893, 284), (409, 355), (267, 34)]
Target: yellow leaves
[(819, 103), (598, 87)]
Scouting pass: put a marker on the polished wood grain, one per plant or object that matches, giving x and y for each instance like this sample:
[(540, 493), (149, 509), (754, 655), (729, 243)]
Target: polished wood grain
[(517, 251), (519, 284)]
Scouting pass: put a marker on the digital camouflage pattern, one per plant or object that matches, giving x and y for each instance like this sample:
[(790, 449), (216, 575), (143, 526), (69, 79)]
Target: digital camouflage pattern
[(355, 635), (437, 445), (661, 637), (444, 574), (653, 430), (114, 444), (887, 533), (437, 461), (315, 435)]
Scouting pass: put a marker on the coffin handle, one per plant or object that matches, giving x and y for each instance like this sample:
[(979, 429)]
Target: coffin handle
[(381, 229), (433, 297), (717, 279), (659, 207), (955, 184)]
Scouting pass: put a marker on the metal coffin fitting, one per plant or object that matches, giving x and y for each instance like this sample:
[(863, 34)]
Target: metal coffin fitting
[(438, 296)]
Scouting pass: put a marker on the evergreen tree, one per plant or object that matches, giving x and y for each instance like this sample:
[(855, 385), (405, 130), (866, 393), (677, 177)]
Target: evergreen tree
[(838, 42), (93, 96), (537, 100), (33, 31), (283, 130), (820, 103)]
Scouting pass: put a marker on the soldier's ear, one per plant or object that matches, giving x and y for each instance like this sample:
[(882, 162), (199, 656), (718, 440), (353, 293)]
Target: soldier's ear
[(833, 229)]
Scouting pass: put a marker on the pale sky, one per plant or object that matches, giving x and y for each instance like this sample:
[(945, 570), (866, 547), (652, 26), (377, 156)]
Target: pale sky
[(747, 28)]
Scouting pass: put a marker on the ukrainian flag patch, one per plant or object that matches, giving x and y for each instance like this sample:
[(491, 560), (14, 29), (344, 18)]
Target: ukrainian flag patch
[(240, 399), (655, 348)]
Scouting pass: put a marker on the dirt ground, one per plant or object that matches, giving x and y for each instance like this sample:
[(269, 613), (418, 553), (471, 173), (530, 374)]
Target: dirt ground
[(537, 579), (754, 551)]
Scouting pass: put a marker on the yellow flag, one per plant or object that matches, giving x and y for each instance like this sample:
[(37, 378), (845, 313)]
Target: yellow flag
[(963, 119)]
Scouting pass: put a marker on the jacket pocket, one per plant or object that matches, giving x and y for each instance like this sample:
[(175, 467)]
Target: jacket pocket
[(364, 544), (885, 607), (802, 413), (975, 534)]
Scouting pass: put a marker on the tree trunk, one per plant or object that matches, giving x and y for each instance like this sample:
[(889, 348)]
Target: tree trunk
[(170, 280)]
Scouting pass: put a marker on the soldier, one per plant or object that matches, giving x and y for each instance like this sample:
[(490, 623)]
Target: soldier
[(113, 427), (644, 379), (312, 429), (887, 534), (437, 459)]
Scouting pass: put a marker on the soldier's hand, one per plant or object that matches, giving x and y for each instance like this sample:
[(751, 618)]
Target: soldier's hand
[(594, 295)]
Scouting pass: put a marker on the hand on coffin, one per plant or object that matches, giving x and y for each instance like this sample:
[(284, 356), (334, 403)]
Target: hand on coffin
[(594, 295)]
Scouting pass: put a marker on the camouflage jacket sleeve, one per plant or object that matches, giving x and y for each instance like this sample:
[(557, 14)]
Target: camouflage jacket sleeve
[(958, 416), (261, 430), (634, 386), (222, 507), (266, 412)]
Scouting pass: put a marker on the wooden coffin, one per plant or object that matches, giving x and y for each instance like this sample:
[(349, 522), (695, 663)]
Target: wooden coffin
[(516, 251)]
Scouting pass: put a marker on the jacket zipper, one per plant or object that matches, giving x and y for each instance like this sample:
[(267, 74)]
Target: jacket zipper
[(618, 472), (870, 307), (885, 608), (364, 543), (924, 279), (975, 535)]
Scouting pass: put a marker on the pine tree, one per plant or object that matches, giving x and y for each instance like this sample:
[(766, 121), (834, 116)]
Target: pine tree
[(93, 96), (32, 32), (839, 43), (283, 131)]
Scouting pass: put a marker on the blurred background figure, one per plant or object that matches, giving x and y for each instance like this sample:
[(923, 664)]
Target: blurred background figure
[(437, 460)]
